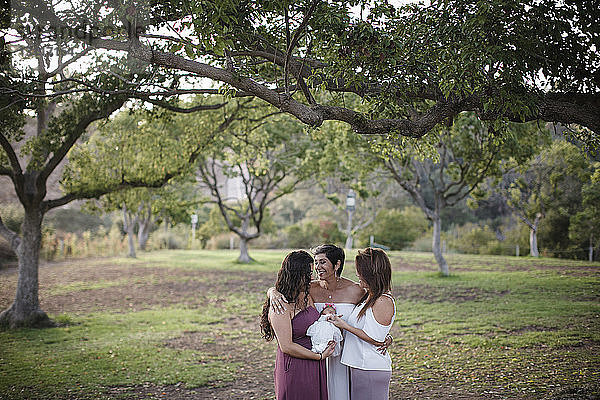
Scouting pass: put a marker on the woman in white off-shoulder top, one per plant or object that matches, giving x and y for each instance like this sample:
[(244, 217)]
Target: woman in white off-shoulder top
[(367, 326)]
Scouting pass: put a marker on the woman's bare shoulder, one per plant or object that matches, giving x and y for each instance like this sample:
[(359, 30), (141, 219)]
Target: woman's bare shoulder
[(383, 310), (350, 285)]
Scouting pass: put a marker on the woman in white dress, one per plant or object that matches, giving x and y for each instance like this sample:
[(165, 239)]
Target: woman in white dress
[(367, 326), (331, 287)]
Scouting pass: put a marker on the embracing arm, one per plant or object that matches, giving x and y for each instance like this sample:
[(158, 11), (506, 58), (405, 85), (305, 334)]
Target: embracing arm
[(383, 311), (356, 331)]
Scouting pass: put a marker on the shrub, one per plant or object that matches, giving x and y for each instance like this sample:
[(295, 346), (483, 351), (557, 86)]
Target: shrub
[(12, 216), (396, 229), (422, 243), (270, 241), (166, 240), (307, 234), (471, 238), (222, 241)]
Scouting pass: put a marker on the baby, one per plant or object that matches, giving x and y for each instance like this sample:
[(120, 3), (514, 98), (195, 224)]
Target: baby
[(322, 332)]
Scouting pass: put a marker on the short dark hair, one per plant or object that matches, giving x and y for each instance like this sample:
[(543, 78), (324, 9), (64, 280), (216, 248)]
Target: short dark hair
[(333, 254)]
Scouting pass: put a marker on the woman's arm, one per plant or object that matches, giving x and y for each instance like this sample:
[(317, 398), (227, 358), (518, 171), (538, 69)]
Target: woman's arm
[(383, 312), (340, 323), (282, 325)]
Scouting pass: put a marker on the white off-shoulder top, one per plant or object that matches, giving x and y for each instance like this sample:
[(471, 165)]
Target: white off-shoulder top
[(362, 355)]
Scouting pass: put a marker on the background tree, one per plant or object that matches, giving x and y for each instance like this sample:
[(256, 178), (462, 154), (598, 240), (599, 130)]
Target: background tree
[(546, 192), (142, 143), (563, 189), (269, 155), (583, 226), (466, 153)]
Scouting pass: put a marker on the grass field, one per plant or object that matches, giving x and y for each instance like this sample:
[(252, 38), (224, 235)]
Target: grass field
[(184, 324)]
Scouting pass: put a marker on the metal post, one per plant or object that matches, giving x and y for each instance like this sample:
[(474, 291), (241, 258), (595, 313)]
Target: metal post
[(517, 250), (194, 222), (350, 207)]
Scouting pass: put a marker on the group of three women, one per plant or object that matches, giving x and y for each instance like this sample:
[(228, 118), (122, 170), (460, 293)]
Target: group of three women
[(365, 311)]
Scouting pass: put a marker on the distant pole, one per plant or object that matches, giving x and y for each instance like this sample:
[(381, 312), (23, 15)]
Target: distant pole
[(350, 207), (591, 253), (371, 240), (231, 244), (517, 251), (194, 222)]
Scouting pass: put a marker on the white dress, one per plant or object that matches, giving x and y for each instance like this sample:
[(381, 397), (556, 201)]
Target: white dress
[(338, 375)]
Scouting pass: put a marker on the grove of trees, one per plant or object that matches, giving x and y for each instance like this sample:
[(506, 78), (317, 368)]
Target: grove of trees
[(442, 98)]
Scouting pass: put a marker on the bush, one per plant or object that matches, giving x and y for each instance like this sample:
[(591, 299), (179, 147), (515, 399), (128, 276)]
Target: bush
[(58, 245), (422, 243), (396, 229), (222, 241), (475, 239), (12, 216), (166, 240), (270, 241), (471, 238), (75, 221), (307, 234)]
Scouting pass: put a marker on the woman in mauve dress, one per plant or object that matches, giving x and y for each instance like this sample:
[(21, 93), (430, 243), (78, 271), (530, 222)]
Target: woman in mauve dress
[(331, 287), (299, 373)]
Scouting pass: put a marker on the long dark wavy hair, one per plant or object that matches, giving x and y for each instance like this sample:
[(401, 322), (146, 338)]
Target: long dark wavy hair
[(292, 279), (374, 268)]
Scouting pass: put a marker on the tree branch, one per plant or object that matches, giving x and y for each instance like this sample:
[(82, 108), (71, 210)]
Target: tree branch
[(12, 156), (106, 110)]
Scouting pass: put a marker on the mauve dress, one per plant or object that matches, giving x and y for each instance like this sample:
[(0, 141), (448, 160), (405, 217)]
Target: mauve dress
[(298, 378)]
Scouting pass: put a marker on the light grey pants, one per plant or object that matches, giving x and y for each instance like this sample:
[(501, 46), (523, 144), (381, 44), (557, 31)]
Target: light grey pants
[(369, 385)]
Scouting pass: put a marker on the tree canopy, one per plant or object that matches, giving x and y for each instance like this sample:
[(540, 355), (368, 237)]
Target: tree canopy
[(414, 66)]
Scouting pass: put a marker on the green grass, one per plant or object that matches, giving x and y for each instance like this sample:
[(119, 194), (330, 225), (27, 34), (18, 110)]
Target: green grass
[(522, 327)]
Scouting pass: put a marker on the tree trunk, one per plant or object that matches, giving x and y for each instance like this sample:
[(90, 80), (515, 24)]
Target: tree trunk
[(533, 246), (349, 242), (128, 227), (143, 234), (144, 226), (244, 256), (436, 245), (25, 310)]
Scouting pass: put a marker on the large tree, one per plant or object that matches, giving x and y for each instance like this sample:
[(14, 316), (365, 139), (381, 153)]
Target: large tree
[(416, 65), (43, 80)]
